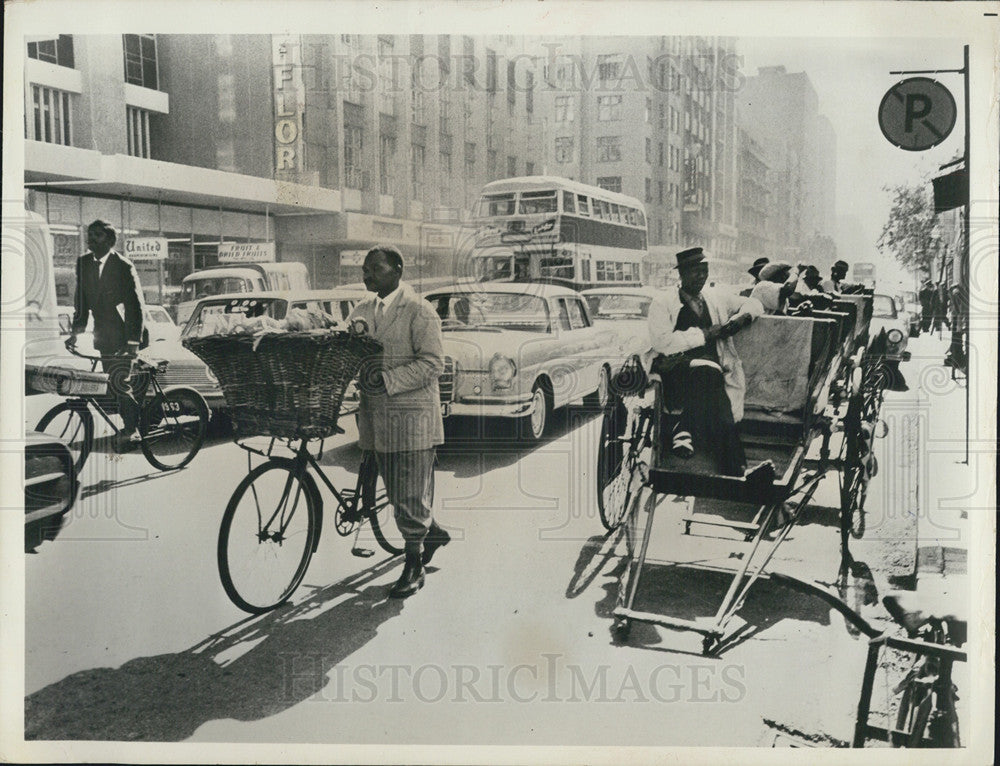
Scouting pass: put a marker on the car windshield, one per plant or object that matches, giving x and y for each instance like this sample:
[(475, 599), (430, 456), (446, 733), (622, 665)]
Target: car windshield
[(205, 288), (505, 311), (248, 307), (883, 306), (158, 315), (618, 306)]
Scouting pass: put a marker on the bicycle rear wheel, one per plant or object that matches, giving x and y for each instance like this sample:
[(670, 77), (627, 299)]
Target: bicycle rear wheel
[(616, 460), (267, 536), (173, 426), (72, 423)]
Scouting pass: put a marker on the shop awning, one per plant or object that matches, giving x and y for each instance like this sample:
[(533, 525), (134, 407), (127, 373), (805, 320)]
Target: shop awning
[(68, 169)]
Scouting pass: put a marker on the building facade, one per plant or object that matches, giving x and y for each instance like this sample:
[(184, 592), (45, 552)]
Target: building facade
[(321, 145)]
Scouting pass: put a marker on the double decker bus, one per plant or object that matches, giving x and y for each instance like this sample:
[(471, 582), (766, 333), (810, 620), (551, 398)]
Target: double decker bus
[(548, 229)]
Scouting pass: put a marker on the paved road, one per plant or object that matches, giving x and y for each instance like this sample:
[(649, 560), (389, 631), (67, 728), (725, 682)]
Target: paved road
[(131, 636)]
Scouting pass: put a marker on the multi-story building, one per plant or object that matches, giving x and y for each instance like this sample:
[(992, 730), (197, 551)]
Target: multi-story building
[(781, 110), (651, 117), (753, 240), (322, 145)]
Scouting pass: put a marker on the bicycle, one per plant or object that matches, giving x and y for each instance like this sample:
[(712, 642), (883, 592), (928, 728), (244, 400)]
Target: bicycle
[(271, 526), (171, 428), (926, 714)]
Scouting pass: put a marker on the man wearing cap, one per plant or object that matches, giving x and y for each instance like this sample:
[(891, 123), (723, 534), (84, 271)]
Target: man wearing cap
[(691, 331), (837, 273), (399, 415), (107, 288), (754, 271)]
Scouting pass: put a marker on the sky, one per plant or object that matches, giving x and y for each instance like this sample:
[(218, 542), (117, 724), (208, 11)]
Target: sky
[(850, 77)]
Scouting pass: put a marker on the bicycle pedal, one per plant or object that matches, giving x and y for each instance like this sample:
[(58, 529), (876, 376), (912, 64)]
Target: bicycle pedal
[(363, 553)]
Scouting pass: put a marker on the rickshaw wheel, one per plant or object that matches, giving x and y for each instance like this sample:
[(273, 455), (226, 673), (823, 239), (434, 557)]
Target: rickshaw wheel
[(621, 628)]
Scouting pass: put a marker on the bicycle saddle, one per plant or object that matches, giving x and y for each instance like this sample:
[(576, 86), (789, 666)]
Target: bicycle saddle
[(913, 611)]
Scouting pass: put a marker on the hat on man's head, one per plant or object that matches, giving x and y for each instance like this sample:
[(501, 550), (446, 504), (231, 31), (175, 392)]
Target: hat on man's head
[(103, 226), (759, 264), (691, 257), (842, 265)]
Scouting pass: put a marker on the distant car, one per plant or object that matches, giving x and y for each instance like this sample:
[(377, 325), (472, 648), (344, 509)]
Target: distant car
[(908, 304), (886, 319), (184, 368), (157, 327), (625, 310), (519, 351)]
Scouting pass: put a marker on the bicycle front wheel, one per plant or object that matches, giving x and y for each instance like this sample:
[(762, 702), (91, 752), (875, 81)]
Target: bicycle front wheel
[(72, 423), (267, 536), (173, 428)]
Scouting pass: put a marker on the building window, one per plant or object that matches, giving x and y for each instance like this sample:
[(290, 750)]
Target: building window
[(417, 106), (659, 195), (649, 190), (609, 67), (446, 163), (138, 131), (469, 61), (659, 155), (609, 148), (529, 93), (610, 183), (386, 75), (649, 110), (444, 53), (53, 117), (140, 60), (491, 164), (386, 163), (564, 149), (491, 71), (609, 108), (649, 150), (445, 113), (416, 170), (564, 109), (511, 167), (58, 51), (511, 85), (529, 168), (353, 146)]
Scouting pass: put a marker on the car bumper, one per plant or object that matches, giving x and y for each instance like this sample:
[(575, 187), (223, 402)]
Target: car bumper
[(490, 407)]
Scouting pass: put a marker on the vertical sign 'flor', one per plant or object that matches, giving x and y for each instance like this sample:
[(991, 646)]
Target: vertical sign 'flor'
[(289, 96)]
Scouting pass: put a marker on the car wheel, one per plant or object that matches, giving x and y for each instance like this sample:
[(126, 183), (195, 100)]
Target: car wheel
[(599, 398), (536, 424)]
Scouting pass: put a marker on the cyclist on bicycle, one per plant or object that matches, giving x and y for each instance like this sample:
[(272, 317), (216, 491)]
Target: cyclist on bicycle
[(107, 287)]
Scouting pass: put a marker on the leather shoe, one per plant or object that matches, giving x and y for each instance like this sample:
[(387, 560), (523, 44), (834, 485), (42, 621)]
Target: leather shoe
[(412, 578), (436, 538)]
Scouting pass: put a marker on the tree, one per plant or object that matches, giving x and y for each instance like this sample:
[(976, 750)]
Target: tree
[(908, 235)]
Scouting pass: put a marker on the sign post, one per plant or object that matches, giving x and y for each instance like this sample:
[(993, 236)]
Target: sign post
[(916, 114)]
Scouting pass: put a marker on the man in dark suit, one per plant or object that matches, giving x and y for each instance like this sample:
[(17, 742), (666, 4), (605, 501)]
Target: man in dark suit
[(400, 407), (107, 287)]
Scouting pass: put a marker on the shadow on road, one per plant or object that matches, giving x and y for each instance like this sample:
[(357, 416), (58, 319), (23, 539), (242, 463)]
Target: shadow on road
[(257, 668)]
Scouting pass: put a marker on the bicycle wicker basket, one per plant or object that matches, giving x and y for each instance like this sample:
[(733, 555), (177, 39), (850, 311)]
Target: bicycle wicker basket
[(288, 385)]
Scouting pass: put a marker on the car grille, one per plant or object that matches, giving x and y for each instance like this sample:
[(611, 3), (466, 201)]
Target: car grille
[(446, 383), (195, 377)]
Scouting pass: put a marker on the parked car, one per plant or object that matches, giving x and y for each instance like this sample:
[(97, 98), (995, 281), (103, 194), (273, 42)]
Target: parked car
[(624, 310), (239, 278), (908, 305), (886, 320), (184, 368), (520, 351)]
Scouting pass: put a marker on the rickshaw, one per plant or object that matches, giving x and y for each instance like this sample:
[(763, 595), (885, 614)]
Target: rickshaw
[(808, 378)]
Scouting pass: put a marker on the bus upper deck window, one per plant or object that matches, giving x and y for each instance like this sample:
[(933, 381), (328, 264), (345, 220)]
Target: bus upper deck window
[(496, 204), (583, 204), (615, 214), (568, 206), (538, 202)]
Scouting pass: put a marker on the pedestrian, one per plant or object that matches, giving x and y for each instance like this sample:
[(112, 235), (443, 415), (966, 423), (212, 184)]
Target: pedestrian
[(399, 414), (108, 288), (928, 297), (706, 381)]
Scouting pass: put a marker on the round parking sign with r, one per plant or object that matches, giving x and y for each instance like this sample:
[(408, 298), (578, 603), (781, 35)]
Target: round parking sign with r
[(917, 113)]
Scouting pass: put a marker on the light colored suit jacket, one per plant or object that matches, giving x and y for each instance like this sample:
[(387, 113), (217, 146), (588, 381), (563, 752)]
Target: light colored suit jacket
[(722, 306), (407, 415)]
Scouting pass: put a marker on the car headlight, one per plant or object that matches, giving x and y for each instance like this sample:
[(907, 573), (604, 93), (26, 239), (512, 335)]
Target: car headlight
[(894, 335), (502, 372)]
